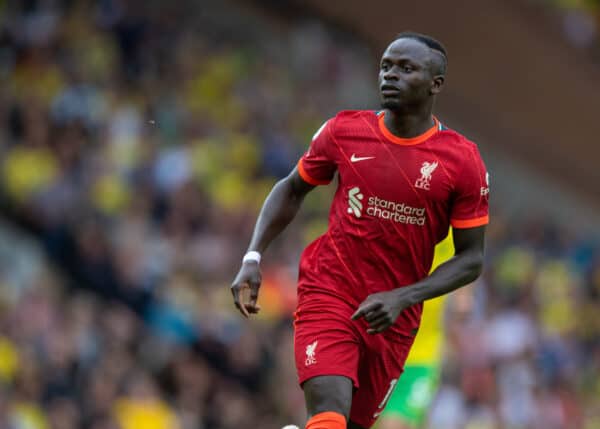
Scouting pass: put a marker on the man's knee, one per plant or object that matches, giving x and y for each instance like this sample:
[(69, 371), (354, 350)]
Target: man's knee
[(328, 393)]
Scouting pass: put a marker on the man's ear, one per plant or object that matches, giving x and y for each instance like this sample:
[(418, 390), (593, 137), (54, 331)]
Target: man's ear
[(437, 84)]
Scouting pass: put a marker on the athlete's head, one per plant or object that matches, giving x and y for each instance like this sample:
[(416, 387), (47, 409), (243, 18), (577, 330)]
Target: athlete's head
[(412, 71)]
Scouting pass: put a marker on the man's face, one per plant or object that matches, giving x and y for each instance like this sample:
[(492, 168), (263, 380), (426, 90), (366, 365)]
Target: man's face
[(405, 74)]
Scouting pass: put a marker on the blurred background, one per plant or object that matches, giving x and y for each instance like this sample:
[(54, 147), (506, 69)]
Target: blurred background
[(138, 140)]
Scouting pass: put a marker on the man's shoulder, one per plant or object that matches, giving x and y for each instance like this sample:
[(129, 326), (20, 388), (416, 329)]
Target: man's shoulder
[(356, 114), (456, 138), (350, 119)]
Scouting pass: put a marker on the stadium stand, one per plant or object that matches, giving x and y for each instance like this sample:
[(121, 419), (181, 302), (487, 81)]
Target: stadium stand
[(137, 141)]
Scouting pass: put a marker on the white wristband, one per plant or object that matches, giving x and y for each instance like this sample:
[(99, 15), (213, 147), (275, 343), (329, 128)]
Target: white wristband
[(253, 256)]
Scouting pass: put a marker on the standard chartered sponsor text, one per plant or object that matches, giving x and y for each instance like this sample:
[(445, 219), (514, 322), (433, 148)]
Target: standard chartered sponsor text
[(398, 212)]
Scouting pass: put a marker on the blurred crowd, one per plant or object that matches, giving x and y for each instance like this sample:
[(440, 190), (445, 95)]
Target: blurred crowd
[(523, 349), (137, 142), (581, 24)]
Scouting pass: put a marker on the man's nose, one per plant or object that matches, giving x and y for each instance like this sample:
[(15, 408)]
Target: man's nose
[(390, 74)]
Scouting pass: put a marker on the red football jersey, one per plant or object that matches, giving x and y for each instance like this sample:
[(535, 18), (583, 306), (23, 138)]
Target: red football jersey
[(395, 200)]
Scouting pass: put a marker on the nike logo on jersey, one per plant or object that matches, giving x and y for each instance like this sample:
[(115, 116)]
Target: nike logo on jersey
[(355, 158)]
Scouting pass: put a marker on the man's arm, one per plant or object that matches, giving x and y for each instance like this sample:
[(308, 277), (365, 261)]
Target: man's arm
[(462, 269), (278, 210), (382, 309), (280, 207)]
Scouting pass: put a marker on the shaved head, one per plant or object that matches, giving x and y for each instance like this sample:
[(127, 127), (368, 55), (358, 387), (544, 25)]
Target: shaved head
[(412, 71), (438, 61)]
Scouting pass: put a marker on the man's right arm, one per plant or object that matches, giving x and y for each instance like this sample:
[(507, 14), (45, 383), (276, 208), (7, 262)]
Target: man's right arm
[(280, 207)]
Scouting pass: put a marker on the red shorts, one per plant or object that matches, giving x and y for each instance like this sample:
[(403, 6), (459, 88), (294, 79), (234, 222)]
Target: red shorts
[(330, 343)]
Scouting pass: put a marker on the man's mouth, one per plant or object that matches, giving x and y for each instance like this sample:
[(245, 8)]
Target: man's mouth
[(387, 90)]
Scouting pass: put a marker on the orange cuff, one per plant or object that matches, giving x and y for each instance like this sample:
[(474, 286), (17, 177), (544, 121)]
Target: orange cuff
[(470, 223), (327, 420), (307, 178)]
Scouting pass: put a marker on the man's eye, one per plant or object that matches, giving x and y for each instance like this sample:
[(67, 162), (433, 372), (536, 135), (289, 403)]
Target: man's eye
[(408, 69)]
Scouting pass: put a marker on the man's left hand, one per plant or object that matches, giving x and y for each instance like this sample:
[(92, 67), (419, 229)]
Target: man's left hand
[(382, 309)]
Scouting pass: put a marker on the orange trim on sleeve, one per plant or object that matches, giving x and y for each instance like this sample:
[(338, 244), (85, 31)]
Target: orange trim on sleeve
[(407, 141), (307, 178), (470, 223)]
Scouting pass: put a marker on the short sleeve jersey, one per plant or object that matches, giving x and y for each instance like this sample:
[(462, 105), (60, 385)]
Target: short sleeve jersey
[(395, 200)]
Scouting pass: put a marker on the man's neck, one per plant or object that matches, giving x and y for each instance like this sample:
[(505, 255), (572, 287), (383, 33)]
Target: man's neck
[(408, 125)]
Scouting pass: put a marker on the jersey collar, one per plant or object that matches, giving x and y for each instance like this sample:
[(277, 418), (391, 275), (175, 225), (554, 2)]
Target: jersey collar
[(407, 141)]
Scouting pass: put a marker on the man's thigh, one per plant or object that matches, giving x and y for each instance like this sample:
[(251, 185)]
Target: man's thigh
[(380, 368), (327, 353), (326, 347)]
